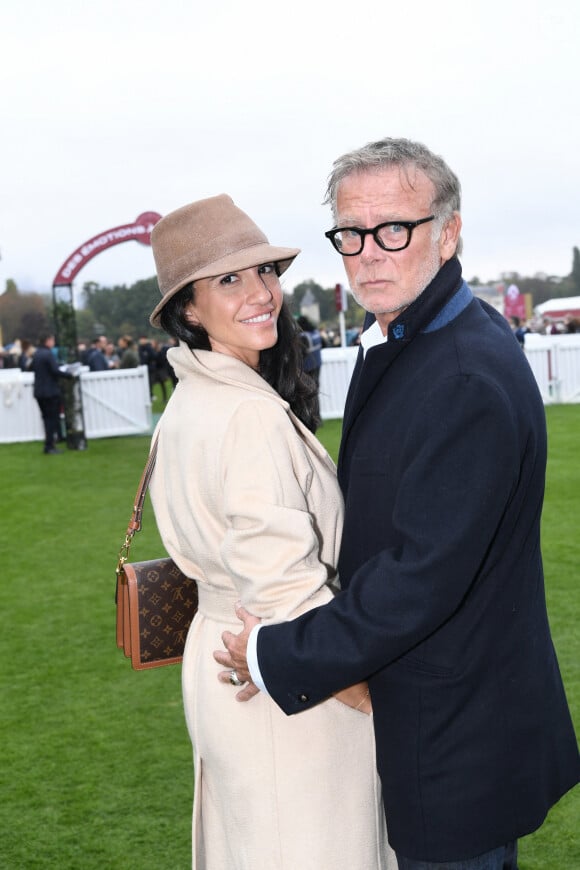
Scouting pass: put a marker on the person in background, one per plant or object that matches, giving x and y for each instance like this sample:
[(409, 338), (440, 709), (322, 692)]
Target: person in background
[(246, 501), (15, 351), (96, 359), (26, 354), (161, 371), (518, 330), (83, 353), (111, 355), (147, 358), (442, 467), (312, 344), (47, 390), (129, 357)]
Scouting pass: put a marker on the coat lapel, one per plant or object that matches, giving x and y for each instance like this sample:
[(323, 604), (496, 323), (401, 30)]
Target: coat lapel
[(369, 371), (367, 375)]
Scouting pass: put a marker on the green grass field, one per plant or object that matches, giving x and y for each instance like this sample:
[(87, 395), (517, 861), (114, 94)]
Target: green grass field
[(96, 762)]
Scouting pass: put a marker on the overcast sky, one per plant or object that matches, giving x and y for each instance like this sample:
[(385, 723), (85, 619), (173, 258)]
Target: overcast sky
[(117, 107)]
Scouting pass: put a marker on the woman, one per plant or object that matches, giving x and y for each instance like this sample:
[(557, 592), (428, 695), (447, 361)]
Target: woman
[(246, 501)]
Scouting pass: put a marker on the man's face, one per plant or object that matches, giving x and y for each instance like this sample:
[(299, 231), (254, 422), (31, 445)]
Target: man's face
[(386, 282)]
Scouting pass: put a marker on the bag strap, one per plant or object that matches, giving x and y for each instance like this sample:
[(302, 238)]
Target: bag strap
[(136, 517)]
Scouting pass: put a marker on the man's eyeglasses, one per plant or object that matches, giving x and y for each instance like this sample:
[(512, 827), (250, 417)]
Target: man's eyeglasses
[(390, 236)]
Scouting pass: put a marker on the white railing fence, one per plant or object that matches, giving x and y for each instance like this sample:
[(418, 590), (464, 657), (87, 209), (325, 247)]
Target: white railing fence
[(114, 403), (118, 402), (335, 374), (555, 362)]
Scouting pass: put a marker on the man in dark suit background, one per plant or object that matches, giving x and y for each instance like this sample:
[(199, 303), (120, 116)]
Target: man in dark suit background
[(47, 390), (96, 359), (442, 467), (312, 349)]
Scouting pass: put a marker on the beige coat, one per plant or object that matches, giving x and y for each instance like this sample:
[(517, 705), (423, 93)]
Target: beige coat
[(247, 502)]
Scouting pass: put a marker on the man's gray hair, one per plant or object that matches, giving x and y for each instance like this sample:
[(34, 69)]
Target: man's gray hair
[(406, 154)]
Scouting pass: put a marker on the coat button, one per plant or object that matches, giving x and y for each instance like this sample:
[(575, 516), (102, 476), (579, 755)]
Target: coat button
[(303, 698)]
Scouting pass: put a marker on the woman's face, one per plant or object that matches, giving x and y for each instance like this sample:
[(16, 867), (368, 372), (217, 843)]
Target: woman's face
[(239, 311)]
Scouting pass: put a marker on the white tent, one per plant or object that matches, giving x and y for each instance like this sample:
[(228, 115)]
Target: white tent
[(556, 309)]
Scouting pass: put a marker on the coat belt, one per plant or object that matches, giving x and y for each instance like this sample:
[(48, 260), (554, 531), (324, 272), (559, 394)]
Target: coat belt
[(218, 603)]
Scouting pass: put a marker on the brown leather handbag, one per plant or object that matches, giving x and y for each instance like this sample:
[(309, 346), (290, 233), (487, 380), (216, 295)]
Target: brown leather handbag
[(156, 601)]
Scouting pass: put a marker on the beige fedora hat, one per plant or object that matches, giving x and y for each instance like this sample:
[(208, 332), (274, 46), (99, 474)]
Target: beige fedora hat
[(206, 238)]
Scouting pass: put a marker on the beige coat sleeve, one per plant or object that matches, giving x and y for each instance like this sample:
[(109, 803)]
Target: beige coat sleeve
[(272, 548)]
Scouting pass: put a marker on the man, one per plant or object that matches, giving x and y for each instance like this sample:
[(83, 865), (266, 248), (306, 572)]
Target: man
[(312, 348), (47, 390), (518, 330), (312, 342), (147, 358), (129, 357), (442, 466), (96, 359)]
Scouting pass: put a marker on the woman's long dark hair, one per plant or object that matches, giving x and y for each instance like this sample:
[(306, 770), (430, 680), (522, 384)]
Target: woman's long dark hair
[(281, 366)]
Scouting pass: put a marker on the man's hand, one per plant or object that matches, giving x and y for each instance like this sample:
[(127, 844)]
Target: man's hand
[(235, 657)]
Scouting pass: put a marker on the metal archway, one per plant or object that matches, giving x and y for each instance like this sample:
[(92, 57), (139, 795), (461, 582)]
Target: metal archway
[(62, 294), (64, 310)]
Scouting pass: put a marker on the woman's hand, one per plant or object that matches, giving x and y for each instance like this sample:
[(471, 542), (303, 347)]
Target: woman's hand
[(357, 697)]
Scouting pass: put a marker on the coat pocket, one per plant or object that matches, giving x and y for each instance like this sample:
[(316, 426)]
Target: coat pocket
[(420, 666)]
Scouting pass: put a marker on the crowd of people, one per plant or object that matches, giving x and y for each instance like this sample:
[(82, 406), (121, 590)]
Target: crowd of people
[(17, 355), (103, 354), (543, 326), (568, 326)]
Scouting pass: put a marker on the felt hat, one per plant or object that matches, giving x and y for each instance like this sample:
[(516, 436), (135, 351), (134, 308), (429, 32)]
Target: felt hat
[(206, 238)]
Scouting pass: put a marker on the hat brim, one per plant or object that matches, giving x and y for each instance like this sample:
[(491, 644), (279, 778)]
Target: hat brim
[(246, 259)]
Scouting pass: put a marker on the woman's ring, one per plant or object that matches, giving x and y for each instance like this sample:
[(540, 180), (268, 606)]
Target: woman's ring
[(234, 679)]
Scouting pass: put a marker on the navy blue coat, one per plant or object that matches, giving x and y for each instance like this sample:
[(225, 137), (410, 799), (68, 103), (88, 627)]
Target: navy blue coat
[(442, 467), (46, 373)]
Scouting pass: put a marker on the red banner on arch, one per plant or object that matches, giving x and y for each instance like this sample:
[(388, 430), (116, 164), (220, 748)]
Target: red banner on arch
[(139, 231)]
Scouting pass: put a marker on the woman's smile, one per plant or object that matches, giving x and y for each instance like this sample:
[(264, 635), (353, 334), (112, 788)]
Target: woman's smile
[(259, 318)]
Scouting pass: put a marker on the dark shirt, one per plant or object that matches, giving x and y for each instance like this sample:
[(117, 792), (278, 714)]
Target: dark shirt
[(312, 343), (97, 361), (129, 359)]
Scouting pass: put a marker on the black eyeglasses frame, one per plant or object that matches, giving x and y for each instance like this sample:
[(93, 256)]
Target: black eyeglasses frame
[(374, 231)]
